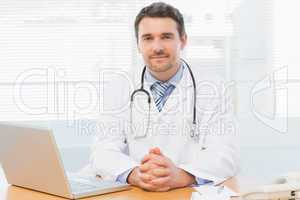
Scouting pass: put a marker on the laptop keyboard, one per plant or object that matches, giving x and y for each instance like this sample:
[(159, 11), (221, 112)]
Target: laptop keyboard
[(81, 187), (86, 186)]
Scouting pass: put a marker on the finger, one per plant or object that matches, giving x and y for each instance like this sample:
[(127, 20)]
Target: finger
[(145, 177), (163, 189), (153, 188), (156, 159), (147, 186), (160, 172), (156, 151), (160, 182), (159, 160), (145, 167), (146, 158)]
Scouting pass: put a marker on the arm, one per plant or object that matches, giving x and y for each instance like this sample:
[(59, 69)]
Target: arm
[(219, 161), (109, 157)]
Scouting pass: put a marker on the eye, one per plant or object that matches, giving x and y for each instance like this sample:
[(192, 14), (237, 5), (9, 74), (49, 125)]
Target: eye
[(147, 38), (167, 37)]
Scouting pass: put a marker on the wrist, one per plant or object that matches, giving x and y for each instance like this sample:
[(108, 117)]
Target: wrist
[(132, 177), (186, 179)]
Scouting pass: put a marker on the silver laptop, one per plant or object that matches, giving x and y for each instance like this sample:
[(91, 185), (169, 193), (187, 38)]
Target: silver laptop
[(30, 159)]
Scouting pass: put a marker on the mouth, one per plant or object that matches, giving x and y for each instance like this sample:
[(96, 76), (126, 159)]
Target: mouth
[(159, 57)]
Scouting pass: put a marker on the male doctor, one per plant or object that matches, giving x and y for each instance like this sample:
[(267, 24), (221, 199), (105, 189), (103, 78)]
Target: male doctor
[(167, 157)]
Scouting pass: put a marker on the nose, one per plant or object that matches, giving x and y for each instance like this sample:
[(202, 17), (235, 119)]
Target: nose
[(157, 47)]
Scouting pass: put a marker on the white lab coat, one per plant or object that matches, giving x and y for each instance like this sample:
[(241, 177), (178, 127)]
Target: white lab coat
[(116, 150)]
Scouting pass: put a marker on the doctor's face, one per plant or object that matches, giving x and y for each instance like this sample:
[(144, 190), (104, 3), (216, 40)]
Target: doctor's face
[(159, 43)]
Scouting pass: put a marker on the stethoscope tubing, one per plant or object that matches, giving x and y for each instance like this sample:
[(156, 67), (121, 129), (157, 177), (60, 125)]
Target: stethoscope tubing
[(141, 89)]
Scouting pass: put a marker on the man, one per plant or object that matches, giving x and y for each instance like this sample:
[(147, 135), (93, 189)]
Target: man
[(168, 158)]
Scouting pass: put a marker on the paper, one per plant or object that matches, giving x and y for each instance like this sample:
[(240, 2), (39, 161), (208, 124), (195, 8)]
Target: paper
[(197, 196), (212, 192), (208, 189)]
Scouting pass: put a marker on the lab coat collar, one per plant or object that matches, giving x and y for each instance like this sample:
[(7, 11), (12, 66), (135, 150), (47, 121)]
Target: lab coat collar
[(173, 80), (185, 80), (185, 84)]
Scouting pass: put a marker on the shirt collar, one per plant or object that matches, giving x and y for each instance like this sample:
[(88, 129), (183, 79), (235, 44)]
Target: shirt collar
[(174, 80)]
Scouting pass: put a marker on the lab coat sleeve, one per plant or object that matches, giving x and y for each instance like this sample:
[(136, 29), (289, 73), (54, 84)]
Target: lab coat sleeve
[(122, 178), (220, 160), (109, 157)]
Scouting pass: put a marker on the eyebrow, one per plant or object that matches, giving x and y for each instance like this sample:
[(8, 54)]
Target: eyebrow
[(146, 35), (168, 34), (164, 34)]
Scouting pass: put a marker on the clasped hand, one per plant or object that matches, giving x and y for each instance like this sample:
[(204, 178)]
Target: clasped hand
[(158, 173)]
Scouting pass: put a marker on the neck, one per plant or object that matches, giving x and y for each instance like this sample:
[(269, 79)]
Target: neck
[(165, 76)]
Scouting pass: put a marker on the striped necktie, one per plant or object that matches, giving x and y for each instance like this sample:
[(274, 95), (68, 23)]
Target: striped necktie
[(161, 91)]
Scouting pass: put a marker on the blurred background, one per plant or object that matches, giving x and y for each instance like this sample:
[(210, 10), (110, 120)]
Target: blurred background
[(60, 60)]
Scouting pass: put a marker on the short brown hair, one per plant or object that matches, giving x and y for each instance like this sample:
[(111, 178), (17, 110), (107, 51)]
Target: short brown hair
[(160, 9)]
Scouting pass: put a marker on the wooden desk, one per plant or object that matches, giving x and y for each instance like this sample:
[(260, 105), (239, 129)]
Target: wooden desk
[(8, 192)]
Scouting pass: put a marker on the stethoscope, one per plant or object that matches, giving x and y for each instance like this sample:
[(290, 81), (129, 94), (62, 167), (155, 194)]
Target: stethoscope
[(193, 134)]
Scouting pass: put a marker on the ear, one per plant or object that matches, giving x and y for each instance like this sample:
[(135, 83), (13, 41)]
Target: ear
[(138, 46), (183, 40)]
